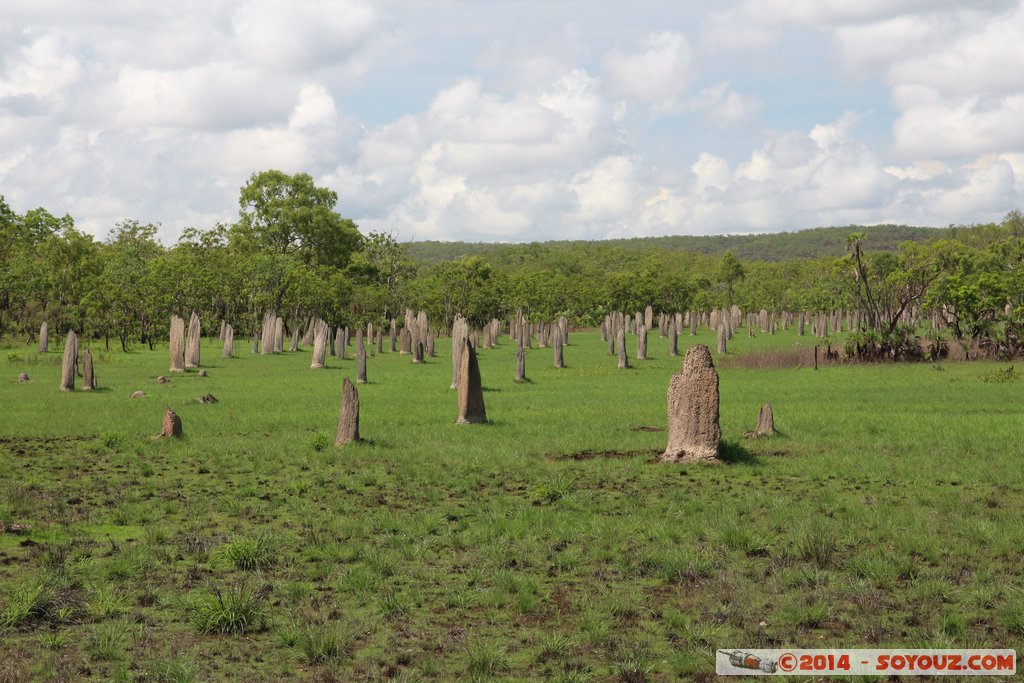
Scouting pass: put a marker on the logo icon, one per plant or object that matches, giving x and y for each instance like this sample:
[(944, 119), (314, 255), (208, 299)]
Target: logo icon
[(745, 660)]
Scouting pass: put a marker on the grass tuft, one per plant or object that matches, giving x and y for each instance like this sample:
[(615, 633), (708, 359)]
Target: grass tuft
[(319, 442), (252, 552), (107, 642), (553, 489), (27, 603), (179, 669), (485, 660), (817, 541), (633, 663), (236, 610), (327, 645), (392, 604), (1007, 374)]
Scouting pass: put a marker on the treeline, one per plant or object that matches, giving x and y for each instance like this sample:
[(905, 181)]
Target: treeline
[(779, 246), (291, 252)]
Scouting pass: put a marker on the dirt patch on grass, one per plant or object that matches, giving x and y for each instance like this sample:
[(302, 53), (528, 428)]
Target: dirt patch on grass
[(645, 428), (39, 445), (777, 359), (42, 439), (590, 455)]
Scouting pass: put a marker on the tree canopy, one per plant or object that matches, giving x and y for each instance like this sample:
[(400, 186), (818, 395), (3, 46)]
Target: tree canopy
[(292, 251), (290, 215)]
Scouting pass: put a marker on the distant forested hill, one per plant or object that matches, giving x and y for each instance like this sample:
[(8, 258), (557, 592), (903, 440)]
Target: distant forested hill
[(813, 243)]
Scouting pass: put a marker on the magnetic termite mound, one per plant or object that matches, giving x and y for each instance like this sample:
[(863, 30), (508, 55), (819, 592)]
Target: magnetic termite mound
[(693, 428), (765, 423), (348, 415), (471, 392), (171, 426)]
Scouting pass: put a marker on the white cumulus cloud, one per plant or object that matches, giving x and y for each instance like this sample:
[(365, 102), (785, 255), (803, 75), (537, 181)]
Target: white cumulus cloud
[(658, 73), (439, 121)]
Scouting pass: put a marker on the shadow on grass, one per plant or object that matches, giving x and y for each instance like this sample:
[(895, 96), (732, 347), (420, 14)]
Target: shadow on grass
[(490, 423), (735, 453), (362, 443), (777, 434)]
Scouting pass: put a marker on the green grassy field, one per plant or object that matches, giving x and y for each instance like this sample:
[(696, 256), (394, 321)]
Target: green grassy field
[(547, 545)]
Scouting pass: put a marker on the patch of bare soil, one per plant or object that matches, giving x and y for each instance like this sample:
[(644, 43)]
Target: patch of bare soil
[(590, 455), (38, 445), (42, 439)]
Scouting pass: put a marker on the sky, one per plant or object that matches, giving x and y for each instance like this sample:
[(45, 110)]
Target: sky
[(518, 120)]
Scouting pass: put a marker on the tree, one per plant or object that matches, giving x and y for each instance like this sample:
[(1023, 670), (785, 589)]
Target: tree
[(1013, 223), (886, 285), (320, 291), (68, 263), (381, 269), (469, 286), (29, 267), (126, 291), (730, 271), (287, 215), (540, 295), (974, 292)]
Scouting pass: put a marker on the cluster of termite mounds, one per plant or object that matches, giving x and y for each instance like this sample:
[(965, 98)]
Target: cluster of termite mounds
[(465, 379), (69, 367), (694, 432)]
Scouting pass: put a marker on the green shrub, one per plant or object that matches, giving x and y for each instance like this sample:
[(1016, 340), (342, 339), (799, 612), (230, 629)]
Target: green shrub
[(901, 344)]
